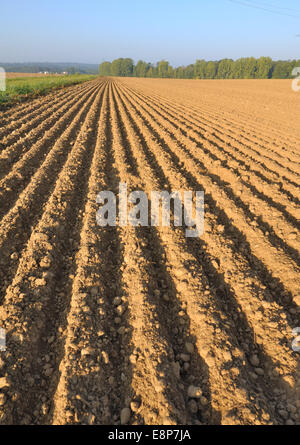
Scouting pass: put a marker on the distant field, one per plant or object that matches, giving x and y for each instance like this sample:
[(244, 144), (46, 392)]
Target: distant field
[(19, 88), (15, 75)]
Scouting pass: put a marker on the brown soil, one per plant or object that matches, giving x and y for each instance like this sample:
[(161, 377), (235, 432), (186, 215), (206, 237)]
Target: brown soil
[(103, 319), (16, 75)]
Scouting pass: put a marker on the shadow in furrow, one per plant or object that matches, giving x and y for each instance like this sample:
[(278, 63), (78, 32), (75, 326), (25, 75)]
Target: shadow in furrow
[(225, 296)]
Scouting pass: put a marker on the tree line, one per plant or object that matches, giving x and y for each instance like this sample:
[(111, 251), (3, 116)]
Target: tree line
[(243, 68)]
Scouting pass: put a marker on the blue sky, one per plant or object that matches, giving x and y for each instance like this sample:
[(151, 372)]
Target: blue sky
[(179, 31)]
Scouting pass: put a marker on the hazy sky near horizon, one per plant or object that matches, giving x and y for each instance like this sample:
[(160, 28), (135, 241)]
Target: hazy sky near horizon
[(179, 31)]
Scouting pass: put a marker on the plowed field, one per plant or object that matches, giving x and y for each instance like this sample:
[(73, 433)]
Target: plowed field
[(143, 325), (16, 75)]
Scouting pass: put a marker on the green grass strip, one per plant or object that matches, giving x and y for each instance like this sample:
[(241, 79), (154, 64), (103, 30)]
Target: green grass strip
[(23, 87)]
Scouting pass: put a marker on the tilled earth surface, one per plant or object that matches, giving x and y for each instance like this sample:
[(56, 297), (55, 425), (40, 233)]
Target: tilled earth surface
[(142, 325)]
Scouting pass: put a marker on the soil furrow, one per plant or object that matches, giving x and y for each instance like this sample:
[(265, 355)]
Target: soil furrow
[(250, 126), (16, 226), (151, 354), (228, 151), (15, 151), (236, 275), (255, 204), (24, 169), (15, 127), (90, 386), (263, 244), (135, 322), (39, 294), (21, 109), (198, 291), (214, 137)]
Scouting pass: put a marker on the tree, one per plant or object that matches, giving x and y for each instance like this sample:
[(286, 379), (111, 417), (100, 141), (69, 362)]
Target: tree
[(141, 69), (250, 68), (122, 67), (170, 72), (151, 72), (225, 69), (162, 68), (238, 69), (189, 72), (116, 69), (211, 70), (282, 70), (127, 67), (243, 68), (264, 68), (200, 69), (179, 72), (105, 69)]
